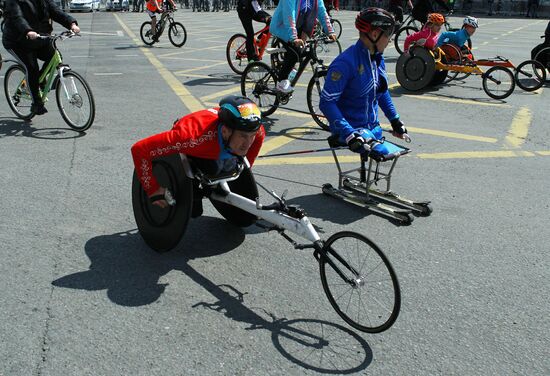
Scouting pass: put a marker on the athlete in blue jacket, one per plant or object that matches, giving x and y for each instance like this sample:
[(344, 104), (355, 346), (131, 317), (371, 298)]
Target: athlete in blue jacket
[(357, 83), (459, 38)]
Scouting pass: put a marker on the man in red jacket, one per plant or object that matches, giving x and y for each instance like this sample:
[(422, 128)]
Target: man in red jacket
[(220, 135)]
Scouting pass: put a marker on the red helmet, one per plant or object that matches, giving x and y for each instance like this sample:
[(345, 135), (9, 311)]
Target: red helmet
[(375, 18)]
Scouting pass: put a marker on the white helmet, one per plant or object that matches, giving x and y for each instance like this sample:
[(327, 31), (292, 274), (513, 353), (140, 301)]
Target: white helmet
[(471, 21)]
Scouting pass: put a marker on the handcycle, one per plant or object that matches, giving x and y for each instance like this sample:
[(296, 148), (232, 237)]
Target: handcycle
[(357, 278), (75, 100), (421, 68), (235, 51), (259, 80), (176, 31)]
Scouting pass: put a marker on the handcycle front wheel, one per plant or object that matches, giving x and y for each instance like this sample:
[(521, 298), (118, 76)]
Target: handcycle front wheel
[(259, 83), (498, 82), (75, 101), (359, 282), (177, 34), (235, 52), (313, 96), (17, 92), (146, 33), (530, 75)]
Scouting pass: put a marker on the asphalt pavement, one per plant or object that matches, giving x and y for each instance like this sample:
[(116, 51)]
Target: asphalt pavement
[(83, 295)]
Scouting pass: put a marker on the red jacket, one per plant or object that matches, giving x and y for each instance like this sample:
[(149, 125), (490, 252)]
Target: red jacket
[(195, 135)]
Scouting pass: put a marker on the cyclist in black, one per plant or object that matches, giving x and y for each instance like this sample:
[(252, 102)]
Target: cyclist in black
[(25, 22), (422, 8), (248, 11), (396, 7)]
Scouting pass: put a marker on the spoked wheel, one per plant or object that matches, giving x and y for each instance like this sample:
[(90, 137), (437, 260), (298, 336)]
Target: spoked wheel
[(314, 89), (337, 26), (17, 92), (160, 228), (236, 53), (401, 35), (146, 33), (360, 282), (75, 101), (177, 34), (244, 186), (258, 82), (327, 51), (530, 75), (498, 82)]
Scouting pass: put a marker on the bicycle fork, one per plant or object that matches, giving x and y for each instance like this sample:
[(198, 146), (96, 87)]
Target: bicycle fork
[(62, 81)]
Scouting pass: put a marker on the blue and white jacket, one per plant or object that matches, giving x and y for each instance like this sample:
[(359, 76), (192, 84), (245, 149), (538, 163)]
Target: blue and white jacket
[(458, 38), (283, 22), (356, 84)]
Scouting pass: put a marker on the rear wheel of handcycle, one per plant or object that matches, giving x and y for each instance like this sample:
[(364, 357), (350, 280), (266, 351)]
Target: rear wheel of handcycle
[(235, 52), (177, 34), (313, 97), (162, 229), (401, 35), (359, 282), (415, 70), (75, 101), (244, 186), (146, 33), (258, 83), (327, 51), (498, 82), (17, 92), (530, 75)]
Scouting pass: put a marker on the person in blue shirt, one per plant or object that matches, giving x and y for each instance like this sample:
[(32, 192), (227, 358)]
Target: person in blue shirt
[(459, 38), (357, 84)]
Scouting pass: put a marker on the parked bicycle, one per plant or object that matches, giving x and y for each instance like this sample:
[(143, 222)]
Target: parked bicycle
[(259, 80), (75, 100), (176, 31)]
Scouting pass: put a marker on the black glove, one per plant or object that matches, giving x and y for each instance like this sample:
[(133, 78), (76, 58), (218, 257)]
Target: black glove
[(356, 143), (398, 126)]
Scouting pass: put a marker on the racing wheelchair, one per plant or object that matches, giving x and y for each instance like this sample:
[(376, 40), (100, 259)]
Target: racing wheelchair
[(541, 53), (357, 277)]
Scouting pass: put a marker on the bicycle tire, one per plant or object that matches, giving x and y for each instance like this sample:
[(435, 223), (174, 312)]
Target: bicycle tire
[(239, 53), (173, 32), (260, 89), (343, 250), (316, 114), (244, 185), (326, 52), (76, 100), (533, 75), (337, 27), (401, 35), (147, 39), (13, 99), (489, 76)]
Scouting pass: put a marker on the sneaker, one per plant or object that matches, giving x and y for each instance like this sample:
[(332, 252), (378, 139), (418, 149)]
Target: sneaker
[(285, 87), (38, 109)]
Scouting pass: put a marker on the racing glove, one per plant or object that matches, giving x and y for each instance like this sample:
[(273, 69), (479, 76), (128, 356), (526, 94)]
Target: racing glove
[(399, 129), (357, 143)]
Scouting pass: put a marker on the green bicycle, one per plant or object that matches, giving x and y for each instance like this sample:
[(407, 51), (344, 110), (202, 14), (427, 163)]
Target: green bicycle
[(74, 97)]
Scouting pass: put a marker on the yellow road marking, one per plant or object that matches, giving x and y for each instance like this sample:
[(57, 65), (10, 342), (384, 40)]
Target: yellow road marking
[(446, 134), (199, 68), (279, 141), (185, 96), (205, 48), (476, 154), (461, 101), (547, 153), (219, 94), (519, 129)]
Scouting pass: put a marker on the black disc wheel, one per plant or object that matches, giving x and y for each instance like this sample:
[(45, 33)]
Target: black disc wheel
[(530, 75), (313, 97), (416, 69), (17, 92), (401, 35), (235, 53), (75, 101), (360, 282), (259, 83), (498, 82), (244, 186), (177, 34), (163, 228), (146, 33)]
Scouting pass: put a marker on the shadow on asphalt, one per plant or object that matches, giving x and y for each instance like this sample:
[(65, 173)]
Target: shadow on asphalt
[(123, 265), (216, 79), (10, 127)]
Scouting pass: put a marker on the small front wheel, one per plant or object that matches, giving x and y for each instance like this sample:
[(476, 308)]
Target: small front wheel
[(146, 33), (359, 282), (75, 101), (177, 34), (259, 83), (530, 75), (498, 82), (314, 89), (18, 92)]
